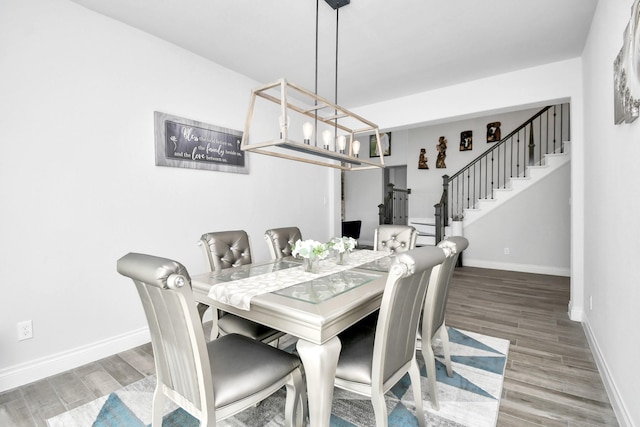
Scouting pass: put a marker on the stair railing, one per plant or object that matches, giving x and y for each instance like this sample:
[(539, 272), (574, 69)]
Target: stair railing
[(395, 209), (544, 133)]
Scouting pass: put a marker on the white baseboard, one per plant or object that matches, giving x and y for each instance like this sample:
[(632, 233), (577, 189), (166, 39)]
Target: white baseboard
[(34, 370), (624, 419), (523, 268), (576, 314)]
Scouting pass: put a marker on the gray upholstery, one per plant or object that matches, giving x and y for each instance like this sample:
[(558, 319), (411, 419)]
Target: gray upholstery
[(280, 241), (210, 381), (372, 360), (225, 249), (395, 238), (435, 305)]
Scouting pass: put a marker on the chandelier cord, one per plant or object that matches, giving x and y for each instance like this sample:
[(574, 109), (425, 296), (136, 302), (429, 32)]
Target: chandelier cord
[(336, 82), (316, 77)]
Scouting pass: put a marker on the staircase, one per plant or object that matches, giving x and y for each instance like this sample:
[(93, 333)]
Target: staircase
[(515, 185), (534, 150)]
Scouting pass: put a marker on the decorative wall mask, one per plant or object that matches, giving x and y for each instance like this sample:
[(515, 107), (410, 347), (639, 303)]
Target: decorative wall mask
[(441, 146), (466, 140), (626, 72), (493, 132), (422, 161)]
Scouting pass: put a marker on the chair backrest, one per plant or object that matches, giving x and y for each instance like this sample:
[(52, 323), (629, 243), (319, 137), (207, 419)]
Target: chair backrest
[(435, 303), (177, 337), (395, 238), (400, 309), (280, 240), (224, 249)]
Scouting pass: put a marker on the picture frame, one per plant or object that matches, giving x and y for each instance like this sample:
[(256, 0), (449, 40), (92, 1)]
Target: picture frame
[(385, 143), (186, 143)]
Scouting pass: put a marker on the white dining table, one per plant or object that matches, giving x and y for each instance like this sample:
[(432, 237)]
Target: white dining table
[(315, 311)]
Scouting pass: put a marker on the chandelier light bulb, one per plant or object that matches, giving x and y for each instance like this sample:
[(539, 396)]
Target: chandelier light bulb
[(326, 139), (356, 147), (307, 131), (342, 143), (284, 124)]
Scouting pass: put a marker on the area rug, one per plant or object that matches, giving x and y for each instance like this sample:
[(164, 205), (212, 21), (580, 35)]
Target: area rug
[(470, 398)]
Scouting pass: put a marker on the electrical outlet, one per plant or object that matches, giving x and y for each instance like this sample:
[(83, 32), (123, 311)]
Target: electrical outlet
[(506, 251), (25, 330)]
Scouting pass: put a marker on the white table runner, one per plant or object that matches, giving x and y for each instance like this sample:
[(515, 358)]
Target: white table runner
[(238, 293)]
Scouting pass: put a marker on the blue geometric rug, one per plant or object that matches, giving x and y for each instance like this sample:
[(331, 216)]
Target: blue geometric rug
[(471, 398)]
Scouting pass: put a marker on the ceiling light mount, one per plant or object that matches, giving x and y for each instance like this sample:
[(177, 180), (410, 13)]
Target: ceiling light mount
[(337, 4)]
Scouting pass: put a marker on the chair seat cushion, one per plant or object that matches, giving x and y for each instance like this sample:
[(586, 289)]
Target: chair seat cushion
[(356, 357), (232, 324), (241, 366)]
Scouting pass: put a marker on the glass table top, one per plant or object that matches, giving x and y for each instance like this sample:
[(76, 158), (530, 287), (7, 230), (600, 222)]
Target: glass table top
[(251, 270), (381, 264), (326, 287)]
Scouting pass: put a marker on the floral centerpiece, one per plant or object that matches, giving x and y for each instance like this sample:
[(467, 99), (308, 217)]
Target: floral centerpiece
[(311, 252), (342, 246)]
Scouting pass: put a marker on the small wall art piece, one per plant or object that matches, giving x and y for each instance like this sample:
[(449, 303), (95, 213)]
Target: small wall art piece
[(422, 161), (185, 143), (466, 140), (385, 143), (626, 72), (493, 132), (441, 146)]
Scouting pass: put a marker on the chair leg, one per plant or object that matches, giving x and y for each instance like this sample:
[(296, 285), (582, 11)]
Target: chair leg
[(414, 375), (430, 362), (379, 408), (295, 402), (157, 408), (444, 338)]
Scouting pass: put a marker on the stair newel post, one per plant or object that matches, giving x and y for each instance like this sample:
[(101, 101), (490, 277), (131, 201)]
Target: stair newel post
[(445, 200), (532, 146), (438, 222)]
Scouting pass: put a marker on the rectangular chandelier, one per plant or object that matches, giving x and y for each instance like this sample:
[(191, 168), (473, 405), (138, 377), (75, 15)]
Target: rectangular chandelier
[(308, 128)]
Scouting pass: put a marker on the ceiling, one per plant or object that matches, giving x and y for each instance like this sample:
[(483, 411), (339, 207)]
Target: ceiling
[(386, 48)]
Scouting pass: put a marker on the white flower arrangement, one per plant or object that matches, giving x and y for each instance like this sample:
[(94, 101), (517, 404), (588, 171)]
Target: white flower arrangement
[(309, 249), (342, 244)]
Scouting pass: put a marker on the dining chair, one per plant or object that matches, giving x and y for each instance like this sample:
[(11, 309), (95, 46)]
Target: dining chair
[(226, 249), (433, 317), (395, 238), (210, 380), (280, 240), (372, 360)]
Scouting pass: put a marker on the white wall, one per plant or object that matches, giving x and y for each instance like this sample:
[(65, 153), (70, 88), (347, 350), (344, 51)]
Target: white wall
[(534, 225), (426, 184), (528, 88), (364, 190), (79, 185), (612, 207)]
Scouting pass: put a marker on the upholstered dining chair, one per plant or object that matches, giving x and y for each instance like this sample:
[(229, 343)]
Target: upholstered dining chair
[(372, 360), (433, 317), (395, 238), (213, 380), (225, 249), (280, 240)]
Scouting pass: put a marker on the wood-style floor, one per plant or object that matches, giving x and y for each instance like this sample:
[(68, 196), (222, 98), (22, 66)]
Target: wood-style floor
[(551, 378)]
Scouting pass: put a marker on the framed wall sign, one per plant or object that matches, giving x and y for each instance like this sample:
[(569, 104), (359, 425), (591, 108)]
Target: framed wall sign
[(186, 143)]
